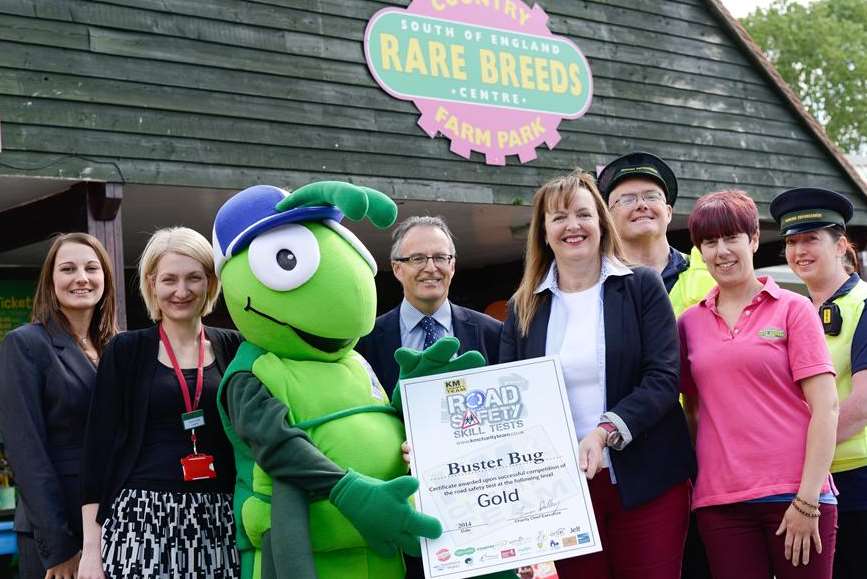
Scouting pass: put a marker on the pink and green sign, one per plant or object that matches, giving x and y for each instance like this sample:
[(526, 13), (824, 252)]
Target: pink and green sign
[(488, 74)]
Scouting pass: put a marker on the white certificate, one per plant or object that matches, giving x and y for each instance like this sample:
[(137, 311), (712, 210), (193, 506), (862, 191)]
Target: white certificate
[(495, 453)]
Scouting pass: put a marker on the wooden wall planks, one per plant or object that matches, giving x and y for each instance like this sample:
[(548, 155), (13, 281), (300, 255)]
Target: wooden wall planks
[(181, 92)]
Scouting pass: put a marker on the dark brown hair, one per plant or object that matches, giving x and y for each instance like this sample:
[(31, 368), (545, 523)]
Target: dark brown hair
[(723, 213), (103, 325)]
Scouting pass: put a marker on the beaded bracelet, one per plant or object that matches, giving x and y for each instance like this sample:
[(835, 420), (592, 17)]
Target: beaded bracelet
[(805, 513), (805, 503)]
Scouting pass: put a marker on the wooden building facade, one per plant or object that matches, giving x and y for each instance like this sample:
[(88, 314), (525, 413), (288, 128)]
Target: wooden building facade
[(173, 105)]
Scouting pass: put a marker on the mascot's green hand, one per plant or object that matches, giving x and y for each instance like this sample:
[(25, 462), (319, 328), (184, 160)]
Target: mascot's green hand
[(382, 513), (435, 360)]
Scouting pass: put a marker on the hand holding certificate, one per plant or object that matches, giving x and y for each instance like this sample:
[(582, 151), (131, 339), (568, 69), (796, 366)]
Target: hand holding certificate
[(495, 451)]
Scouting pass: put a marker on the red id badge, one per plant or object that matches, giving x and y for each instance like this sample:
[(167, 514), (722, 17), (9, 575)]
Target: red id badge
[(198, 467)]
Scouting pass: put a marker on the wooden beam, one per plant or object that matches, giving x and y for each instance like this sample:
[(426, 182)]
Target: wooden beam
[(104, 222), (103, 201)]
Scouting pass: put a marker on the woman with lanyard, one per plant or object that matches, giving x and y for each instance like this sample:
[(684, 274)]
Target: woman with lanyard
[(158, 470), (615, 333), (49, 371), (813, 222), (755, 367)]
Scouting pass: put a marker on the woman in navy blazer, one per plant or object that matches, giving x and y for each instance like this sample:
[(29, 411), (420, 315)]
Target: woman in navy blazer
[(614, 330), (48, 371)]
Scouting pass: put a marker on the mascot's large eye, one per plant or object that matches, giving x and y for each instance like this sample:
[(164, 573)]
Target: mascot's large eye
[(285, 257)]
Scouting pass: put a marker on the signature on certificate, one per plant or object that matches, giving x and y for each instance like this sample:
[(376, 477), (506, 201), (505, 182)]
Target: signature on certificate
[(546, 506)]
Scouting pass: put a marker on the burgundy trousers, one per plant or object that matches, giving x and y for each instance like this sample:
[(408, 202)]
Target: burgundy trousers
[(641, 543), (741, 543)]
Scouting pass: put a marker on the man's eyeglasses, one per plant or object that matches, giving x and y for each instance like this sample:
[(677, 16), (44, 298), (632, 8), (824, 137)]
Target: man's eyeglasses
[(419, 260), (649, 197)]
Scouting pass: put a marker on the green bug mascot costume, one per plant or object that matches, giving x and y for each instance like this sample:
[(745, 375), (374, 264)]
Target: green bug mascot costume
[(320, 488)]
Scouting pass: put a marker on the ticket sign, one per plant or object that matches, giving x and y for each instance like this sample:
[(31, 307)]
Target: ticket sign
[(488, 74), (16, 303)]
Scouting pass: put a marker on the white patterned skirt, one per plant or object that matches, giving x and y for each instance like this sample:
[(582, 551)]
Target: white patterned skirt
[(167, 535)]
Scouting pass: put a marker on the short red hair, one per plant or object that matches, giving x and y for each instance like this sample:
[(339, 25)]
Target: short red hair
[(723, 213)]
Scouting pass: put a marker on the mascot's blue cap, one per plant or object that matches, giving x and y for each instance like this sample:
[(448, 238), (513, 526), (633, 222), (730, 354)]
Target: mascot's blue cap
[(252, 212)]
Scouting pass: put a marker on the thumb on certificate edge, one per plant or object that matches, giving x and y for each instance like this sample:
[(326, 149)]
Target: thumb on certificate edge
[(419, 524), (402, 487)]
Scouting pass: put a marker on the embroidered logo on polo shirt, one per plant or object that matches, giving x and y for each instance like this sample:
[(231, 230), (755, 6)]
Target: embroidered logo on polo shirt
[(772, 334)]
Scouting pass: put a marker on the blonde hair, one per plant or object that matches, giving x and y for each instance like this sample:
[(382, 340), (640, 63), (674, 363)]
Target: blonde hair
[(103, 324), (182, 241), (555, 194)]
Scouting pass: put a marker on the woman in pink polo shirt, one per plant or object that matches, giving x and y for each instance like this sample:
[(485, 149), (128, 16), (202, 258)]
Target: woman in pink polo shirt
[(759, 382)]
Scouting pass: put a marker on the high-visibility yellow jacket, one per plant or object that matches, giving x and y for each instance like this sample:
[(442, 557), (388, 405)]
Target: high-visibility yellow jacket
[(692, 284)]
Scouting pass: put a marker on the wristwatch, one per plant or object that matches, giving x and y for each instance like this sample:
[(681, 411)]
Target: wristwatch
[(613, 436)]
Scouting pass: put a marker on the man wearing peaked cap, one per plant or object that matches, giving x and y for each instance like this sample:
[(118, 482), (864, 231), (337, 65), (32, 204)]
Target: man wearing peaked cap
[(639, 165), (813, 221), (640, 189)]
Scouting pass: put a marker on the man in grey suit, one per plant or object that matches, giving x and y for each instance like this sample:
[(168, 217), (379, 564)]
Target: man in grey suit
[(423, 261)]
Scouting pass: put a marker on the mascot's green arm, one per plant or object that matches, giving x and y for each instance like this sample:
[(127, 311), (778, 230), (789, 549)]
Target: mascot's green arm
[(284, 452), (299, 472), (288, 456)]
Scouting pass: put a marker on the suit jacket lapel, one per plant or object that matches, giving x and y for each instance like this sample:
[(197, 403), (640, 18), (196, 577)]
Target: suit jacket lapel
[(465, 329), (386, 338), (389, 334), (538, 334), (614, 317), (70, 354)]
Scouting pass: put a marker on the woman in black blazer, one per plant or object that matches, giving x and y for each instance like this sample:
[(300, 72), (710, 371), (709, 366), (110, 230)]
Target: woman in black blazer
[(48, 369), (149, 509), (614, 330)]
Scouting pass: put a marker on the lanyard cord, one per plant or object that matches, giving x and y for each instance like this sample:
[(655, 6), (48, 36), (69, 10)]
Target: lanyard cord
[(182, 382)]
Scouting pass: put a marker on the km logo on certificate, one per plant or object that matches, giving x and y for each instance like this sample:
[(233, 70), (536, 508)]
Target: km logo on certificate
[(495, 452)]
